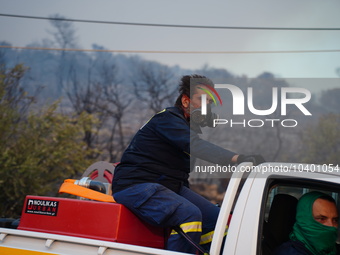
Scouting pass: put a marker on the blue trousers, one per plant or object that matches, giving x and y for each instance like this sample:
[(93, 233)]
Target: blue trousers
[(160, 206)]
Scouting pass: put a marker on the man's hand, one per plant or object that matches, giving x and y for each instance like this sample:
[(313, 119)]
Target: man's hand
[(255, 159)]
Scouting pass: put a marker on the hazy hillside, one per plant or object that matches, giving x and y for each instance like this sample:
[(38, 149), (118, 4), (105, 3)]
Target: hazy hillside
[(131, 89)]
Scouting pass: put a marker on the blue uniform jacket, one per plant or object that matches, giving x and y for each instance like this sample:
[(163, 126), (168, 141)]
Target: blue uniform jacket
[(160, 153)]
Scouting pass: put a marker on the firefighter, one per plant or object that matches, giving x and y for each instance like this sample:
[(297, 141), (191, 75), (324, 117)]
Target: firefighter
[(152, 177)]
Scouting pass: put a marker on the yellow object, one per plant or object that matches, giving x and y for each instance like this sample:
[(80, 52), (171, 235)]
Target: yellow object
[(70, 188), (14, 251)]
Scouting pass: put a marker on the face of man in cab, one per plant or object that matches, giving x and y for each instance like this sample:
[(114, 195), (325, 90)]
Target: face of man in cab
[(325, 212)]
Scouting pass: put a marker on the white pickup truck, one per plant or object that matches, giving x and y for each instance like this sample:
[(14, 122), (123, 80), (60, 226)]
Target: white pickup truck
[(262, 203)]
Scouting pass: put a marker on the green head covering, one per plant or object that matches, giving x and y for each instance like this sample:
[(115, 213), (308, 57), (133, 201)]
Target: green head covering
[(318, 238)]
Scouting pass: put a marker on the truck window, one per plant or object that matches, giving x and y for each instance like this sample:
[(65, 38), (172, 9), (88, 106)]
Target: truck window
[(279, 209)]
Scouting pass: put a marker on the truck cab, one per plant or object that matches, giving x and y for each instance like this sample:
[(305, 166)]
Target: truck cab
[(264, 206)]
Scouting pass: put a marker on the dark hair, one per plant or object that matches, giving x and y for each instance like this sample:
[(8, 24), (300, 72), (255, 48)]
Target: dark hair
[(328, 198), (188, 82)]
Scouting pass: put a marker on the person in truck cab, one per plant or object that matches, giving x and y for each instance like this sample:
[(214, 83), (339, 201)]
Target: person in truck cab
[(152, 176), (315, 230)]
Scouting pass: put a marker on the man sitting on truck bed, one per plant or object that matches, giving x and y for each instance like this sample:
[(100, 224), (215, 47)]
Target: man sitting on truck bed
[(315, 229), (152, 177)]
